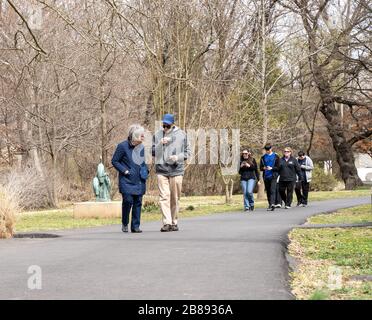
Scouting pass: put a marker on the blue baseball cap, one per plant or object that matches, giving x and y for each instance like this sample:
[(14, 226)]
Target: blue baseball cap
[(168, 118)]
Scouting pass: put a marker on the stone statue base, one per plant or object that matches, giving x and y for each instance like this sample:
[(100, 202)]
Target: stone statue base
[(110, 209)]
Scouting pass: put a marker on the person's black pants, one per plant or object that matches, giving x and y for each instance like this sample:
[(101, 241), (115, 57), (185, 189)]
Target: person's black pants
[(134, 203), (302, 192), (286, 191), (278, 198), (270, 187)]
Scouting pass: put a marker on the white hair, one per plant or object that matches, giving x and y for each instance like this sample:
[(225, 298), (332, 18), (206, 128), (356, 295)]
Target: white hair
[(135, 132)]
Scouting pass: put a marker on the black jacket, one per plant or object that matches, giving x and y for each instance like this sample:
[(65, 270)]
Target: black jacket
[(249, 173), (288, 170)]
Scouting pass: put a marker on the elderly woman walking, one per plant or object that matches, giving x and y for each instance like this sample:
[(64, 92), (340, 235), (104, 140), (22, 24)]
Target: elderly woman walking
[(129, 161)]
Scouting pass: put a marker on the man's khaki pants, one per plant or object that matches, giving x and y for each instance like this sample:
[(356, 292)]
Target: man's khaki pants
[(170, 193)]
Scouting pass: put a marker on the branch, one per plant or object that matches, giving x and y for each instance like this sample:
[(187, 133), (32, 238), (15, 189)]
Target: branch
[(366, 134), (39, 48), (350, 102)]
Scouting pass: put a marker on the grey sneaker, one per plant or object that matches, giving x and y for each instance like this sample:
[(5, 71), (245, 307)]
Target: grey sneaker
[(174, 227), (124, 228)]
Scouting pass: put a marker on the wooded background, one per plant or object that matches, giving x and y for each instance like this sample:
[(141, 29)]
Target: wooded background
[(75, 74)]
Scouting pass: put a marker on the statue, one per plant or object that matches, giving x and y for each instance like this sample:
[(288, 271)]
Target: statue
[(102, 185)]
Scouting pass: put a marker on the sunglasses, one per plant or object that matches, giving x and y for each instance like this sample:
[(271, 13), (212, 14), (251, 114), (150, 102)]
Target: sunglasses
[(166, 126), (287, 151)]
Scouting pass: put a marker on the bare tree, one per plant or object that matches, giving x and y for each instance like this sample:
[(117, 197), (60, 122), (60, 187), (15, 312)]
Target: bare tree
[(340, 63)]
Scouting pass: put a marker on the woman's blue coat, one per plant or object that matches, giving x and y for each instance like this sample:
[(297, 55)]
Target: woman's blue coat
[(131, 158)]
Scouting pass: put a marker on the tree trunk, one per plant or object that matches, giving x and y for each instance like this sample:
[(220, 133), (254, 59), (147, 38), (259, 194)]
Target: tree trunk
[(344, 153), (229, 185), (343, 148), (261, 187)]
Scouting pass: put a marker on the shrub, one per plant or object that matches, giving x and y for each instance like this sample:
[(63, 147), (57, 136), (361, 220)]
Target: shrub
[(29, 188), (150, 204), (322, 181), (8, 211)]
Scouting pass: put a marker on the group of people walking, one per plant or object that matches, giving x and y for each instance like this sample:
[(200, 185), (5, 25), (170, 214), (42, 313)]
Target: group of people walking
[(170, 150), (281, 176)]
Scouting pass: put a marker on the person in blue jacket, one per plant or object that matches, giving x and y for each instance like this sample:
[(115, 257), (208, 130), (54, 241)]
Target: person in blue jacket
[(129, 161)]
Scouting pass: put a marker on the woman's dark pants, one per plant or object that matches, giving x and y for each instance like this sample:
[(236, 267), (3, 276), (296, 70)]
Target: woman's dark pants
[(134, 203), (286, 189)]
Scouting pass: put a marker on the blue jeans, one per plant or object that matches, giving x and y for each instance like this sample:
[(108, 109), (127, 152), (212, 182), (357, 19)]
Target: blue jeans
[(133, 202), (247, 187)]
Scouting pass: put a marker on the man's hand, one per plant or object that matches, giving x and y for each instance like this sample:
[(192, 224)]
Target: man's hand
[(173, 158), (268, 168), (164, 140)]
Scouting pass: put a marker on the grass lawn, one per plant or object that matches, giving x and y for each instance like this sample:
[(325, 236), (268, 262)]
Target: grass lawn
[(190, 207), (324, 252), (358, 214)]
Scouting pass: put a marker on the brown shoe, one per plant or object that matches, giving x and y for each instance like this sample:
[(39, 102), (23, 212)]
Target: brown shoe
[(174, 227), (166, 228)]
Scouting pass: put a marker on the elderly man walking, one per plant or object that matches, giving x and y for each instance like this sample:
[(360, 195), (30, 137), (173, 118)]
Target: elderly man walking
[(170, 149)]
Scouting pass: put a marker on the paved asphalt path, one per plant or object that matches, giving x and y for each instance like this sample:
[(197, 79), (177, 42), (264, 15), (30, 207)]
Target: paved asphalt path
[(223, 256)]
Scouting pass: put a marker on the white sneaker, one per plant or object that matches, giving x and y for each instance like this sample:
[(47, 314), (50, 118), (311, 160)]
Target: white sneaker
[(287, 207), (278, 206)]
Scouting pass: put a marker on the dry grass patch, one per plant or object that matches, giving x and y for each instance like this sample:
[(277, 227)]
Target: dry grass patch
[(8, 213), (329, 258)]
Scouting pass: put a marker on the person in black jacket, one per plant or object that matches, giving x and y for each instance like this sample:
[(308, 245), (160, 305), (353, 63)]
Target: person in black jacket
[(248, 177), (288, 171), (269, 165)]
